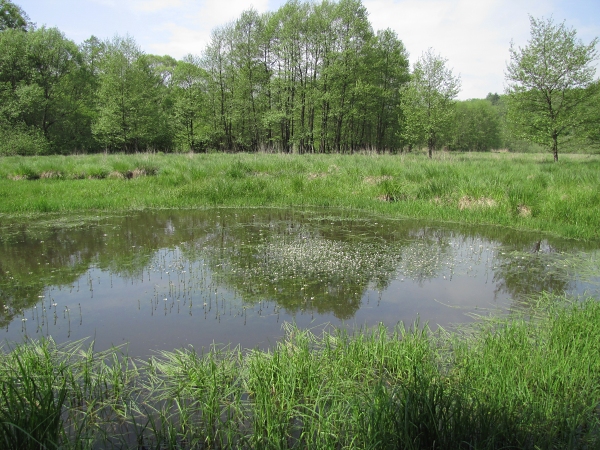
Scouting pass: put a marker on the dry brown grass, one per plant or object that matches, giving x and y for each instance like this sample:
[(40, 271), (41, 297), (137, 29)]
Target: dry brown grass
[(138, 173), (377, 180), (115, 175), (50, 175), (440, 201), (524, 211), (467, 202), (384, 198)]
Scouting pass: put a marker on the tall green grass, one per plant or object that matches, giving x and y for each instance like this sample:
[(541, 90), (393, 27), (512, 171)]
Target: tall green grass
[(525, 191), (504, 383)]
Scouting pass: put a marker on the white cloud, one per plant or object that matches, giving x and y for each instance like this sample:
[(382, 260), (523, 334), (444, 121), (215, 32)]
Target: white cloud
[(155, 5), (182, 41), (214, 13), (474, 35), (141, 5), (192, 33), (109, 3)]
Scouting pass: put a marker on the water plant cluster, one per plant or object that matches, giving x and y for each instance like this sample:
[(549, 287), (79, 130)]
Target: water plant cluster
[(503, 383), (521, 191), (313, 257)]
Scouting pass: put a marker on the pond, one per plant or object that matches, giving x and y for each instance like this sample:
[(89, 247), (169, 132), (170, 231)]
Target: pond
[(161, 280)]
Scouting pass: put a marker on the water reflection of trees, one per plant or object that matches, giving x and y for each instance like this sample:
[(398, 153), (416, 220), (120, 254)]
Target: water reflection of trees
[(302, 261), (32, 261)]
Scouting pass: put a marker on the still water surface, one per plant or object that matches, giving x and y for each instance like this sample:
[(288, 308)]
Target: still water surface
[(162, 280)]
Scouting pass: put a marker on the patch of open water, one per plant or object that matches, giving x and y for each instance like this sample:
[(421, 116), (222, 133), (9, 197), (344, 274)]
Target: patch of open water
[(160, 280)]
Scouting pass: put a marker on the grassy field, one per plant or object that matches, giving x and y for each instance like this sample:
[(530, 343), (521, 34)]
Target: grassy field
[(505, 383), (526, 191)]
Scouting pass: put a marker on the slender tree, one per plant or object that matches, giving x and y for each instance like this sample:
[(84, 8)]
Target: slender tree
[(248, 103), (427, 101), (190, 117), (221, 76), (390, 61), (549, 83)]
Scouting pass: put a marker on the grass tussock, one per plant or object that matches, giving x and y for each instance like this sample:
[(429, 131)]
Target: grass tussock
[(507, 383), (526, 191)]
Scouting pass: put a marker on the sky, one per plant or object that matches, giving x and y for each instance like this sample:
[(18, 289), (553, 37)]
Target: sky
[(473, 35)]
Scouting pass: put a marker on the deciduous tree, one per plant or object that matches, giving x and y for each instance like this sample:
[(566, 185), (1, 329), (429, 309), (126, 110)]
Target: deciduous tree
[(128, 102), (42, 89), (476, 126), (13, 16), (549, 83), (427, 101), (189, 109)]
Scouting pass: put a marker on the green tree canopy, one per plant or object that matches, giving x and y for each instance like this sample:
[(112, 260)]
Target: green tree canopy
[(12, 16), (549, 83), (128, 98), (42, 91), (476, 126), (427, 101), (189, 114)]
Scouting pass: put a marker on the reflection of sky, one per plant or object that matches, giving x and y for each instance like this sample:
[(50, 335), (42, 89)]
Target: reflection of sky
[(443, 280), (462, 285), (439, 301)]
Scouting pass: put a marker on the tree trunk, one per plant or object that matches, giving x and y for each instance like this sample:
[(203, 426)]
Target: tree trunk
[(192, 143), (430, 145), (555, 146)]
